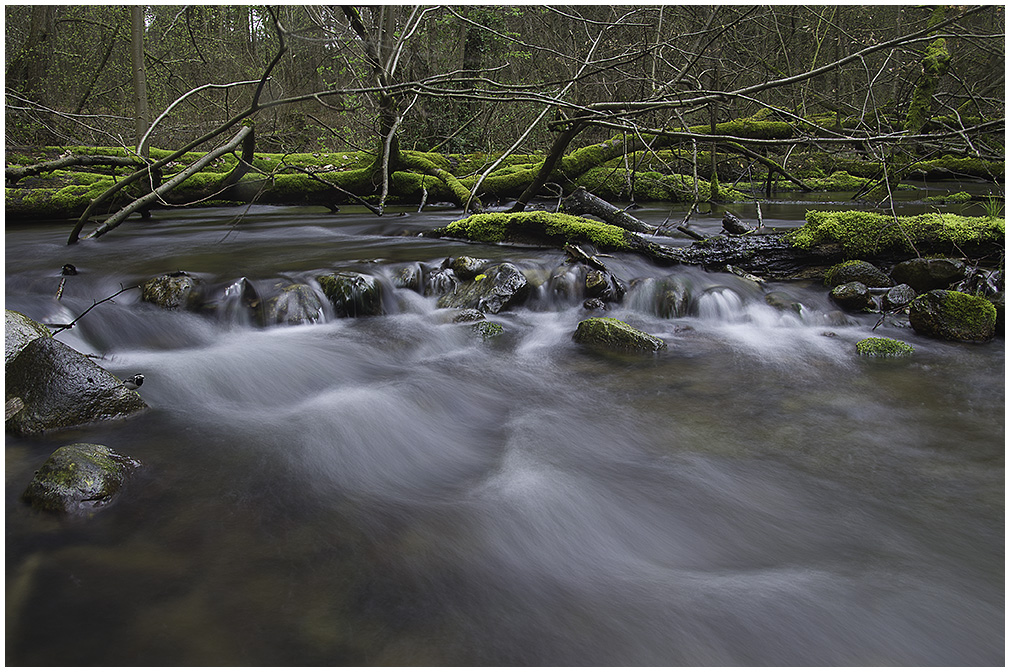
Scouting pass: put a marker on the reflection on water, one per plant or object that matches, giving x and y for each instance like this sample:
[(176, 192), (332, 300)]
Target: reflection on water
[(396, 491)]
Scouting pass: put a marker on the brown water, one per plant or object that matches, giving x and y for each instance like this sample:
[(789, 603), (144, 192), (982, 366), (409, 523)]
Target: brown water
[(394, 491)]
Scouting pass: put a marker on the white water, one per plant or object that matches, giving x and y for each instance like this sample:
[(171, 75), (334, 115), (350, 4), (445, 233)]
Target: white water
[(396, 491)]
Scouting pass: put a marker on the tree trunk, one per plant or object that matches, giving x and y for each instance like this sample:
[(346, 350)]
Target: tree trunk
[(143, 116), (581, 202)]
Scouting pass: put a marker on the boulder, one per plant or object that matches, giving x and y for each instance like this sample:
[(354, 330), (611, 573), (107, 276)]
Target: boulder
[(296, 304), (953, 316), (440, 282), (883, 347), (19, 331), (857, 271), (784, 302), (78, 477), (467, 268), (488, 330), (613, 334), (897, 297), (500, 287), (410, 276), (852, 296), (468, 315), (924, 275), (174, 291), (352, 294), (59, 387)]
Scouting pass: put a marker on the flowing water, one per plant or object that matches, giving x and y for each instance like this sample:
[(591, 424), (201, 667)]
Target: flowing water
[(396, 490)]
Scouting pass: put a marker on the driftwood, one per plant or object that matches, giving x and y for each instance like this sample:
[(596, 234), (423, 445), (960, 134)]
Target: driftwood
[(581, 202)]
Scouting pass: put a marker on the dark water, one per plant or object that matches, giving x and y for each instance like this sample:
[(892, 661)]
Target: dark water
[(395, 491)]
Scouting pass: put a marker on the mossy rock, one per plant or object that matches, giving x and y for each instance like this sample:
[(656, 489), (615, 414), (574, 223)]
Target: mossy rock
[(78, 477), (488, 330), (953, 316), (174, 291), (613, 334), (958, 198), (868, 234), (467, 268), (857, 270), (883, 347), (352, 294)]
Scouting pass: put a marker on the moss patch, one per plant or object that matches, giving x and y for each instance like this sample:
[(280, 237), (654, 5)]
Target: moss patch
[(498, 227), (861, 233), (883, 347)]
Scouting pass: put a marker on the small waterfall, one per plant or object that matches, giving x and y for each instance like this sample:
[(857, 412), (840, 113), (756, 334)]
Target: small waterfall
[(721, 304)]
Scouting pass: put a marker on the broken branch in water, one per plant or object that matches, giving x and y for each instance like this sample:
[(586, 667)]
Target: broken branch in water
[(70, 325)]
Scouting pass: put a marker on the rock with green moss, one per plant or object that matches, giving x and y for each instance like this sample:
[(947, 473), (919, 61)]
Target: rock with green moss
[(869, 234), (467, 268), (539, 227), (78, 478), (958, 198), (488, 330), (883, 347), (856, 270), (613, 334), (498, 288), (174, 291), (352, 294), (295, 304), (926, 274), (59, 387), (953, 316)]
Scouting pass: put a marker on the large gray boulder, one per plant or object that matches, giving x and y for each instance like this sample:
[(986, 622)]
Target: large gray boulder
[(57, 387), (498, 288), (19, 331), (77, 478), (953, 316), (613, 334)]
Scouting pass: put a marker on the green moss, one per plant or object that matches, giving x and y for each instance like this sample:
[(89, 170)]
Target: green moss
[(974, 312), (499, 227), (950, 199), (869, 233), (935, 61), (614, 334), (883, 347)]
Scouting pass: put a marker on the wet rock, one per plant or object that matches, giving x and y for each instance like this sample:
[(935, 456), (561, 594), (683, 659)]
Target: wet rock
[(78, 477), (594, 305), (852, 296), (296, 304), (568, 281), (924, 275), (239, 302), (857, 271), (733, 225), (613, 334), (500, 287), (352, 294), (467, 268), (665, 297), (897, 297), (440, 282), (883, 347), (953, 316), (410, 277), (174, 291), (488, 330), (468, 315), (19, 331), (784, 302), (59, 387)]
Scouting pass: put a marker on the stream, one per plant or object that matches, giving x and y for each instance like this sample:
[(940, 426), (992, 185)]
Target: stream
[(396, 490)]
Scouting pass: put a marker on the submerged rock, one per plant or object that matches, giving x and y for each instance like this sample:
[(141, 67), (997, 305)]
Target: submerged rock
[(174, 291), (784, 302), (500, 287), (856, 271), (488, 330), (924, 275), (614, 334), (953, 316), (468, 315), (897, 297), (410, 277), (296, 304), (79, 476), (352, 294), (883, 347)]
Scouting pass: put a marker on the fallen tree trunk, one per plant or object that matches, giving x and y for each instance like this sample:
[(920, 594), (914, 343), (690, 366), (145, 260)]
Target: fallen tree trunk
[(14, 174), (581, 202)]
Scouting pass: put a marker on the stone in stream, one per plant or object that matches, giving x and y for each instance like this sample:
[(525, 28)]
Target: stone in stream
[(852, 296), (953, 316), (613, 334), (926, 274), (295, 304), (174, 291), (78, 477), (352, 294), (856, 271), (498, 288)]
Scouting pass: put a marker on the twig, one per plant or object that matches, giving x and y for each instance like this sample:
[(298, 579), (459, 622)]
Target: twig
[(70, 325)]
